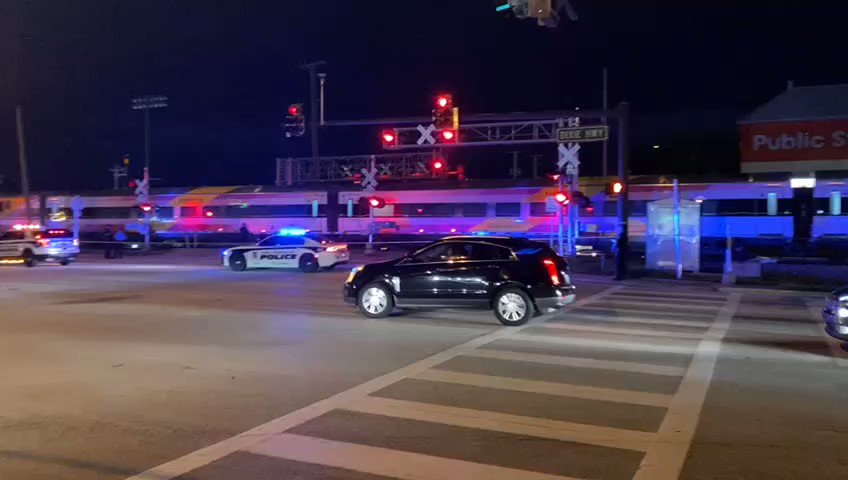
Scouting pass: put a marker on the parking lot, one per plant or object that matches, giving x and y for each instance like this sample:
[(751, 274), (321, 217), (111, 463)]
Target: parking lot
[(171, 367)]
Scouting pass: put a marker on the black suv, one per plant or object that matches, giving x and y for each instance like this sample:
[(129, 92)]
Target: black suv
[(515, 277)]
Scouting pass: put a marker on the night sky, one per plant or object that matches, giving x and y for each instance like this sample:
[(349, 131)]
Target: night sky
[(689, 69)]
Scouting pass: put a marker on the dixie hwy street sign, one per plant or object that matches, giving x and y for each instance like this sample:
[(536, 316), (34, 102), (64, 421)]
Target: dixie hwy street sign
[(597, 133)]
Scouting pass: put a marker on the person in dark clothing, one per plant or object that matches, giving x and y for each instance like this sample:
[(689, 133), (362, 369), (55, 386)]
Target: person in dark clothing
[(107, 235), (246, 236)]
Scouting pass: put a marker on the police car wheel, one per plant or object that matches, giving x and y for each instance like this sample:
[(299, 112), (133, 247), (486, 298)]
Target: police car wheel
[(29, 260), (375, 301), (237, 262), (64, 263), (308, 263)]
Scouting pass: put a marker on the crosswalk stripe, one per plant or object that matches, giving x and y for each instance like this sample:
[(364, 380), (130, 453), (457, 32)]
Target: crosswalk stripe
[(621, 331), (644, 346), (662, 314), (548, 388), (506, 423), (673, 306), (638, 319), (667, 294), (579, 362), (631, 296), (386, 462)]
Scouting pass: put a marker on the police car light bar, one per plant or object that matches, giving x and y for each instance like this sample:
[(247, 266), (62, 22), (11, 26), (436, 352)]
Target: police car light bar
[(293, 232)]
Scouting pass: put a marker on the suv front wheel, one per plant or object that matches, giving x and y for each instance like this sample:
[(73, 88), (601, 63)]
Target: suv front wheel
[(513, 307), (375, 301)]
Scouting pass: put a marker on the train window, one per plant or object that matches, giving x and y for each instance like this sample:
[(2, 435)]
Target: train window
[(440, 209), (248, 211), (512, 209), (107, 212), (539, 209)]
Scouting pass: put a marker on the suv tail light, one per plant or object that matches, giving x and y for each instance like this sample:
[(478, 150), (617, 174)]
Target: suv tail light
[(43, 242), (553, 272)]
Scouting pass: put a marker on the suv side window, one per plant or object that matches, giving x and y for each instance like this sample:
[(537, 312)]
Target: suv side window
[(485, 251), (443, 252), (13, 235)]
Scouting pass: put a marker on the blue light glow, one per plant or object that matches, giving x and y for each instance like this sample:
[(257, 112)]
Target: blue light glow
[(503, 7), (293, 232)]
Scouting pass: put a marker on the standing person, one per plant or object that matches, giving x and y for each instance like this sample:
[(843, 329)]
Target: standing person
[(120, 237), (245, 233), (107, 235)]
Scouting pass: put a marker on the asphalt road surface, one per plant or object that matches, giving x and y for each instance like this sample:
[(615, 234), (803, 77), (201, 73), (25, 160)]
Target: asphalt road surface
[(159, 369)]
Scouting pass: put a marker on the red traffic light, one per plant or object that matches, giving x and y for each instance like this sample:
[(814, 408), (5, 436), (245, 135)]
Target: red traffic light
[(438, 165), (295, 109), (561, 198), (444, 101), (376, 202), (448, 135)]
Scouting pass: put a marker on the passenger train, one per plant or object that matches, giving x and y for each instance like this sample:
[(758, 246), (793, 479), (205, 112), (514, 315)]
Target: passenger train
[(745, 209)]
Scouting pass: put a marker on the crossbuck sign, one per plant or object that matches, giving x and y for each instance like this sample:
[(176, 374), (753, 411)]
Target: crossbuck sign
[(369, 179), (568, 157), (426, 134)]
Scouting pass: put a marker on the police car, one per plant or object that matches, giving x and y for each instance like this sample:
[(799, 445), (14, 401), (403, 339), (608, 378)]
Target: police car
[(29, 244), (290, 248)]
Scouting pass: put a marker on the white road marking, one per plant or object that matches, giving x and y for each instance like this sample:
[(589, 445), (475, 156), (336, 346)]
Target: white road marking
[(547, 388), (385, 462), (673, 307), (644, 346), (664, 459), (204, 456), (507, 423), (621, 331), (660, 297), (579, 362), (630, 311), (671, 295), (630, 318)]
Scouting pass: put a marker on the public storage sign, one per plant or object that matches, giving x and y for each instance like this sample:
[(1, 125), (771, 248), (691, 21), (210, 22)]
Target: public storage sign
[(794, 146)]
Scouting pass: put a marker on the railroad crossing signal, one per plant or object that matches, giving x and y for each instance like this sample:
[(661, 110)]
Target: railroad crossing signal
[(376, 202), (142, 187), (443, 113)]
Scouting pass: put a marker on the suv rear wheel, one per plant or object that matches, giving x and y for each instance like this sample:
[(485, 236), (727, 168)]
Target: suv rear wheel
[(513, 307)]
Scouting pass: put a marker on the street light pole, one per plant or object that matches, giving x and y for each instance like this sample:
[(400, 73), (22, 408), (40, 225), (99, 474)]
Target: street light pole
[(19, 121), (147, 103)]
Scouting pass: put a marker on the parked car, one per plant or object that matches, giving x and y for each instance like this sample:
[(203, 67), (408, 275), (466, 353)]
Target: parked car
[(512, 276), (835, 315)]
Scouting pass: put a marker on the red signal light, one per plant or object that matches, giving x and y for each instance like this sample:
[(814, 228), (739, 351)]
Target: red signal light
[(388, 137), (448, 135), (210, 213), (443, 101), (295, 110), (617, 187), (146, 207), (561, 198), (438, 165), (376, 202)]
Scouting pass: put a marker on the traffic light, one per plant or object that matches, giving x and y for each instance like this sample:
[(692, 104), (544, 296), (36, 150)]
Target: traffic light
[(615, 188), (389, 138), (295, 121), (562, 198), (376, 202), (443, 113)]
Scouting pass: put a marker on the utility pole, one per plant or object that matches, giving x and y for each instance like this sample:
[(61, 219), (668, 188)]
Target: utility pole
[(19, 120), (623, 161), (147, 103), (605, 161), (314, 118)]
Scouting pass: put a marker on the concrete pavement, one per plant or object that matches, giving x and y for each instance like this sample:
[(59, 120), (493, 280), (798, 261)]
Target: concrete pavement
[(137, 369)]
